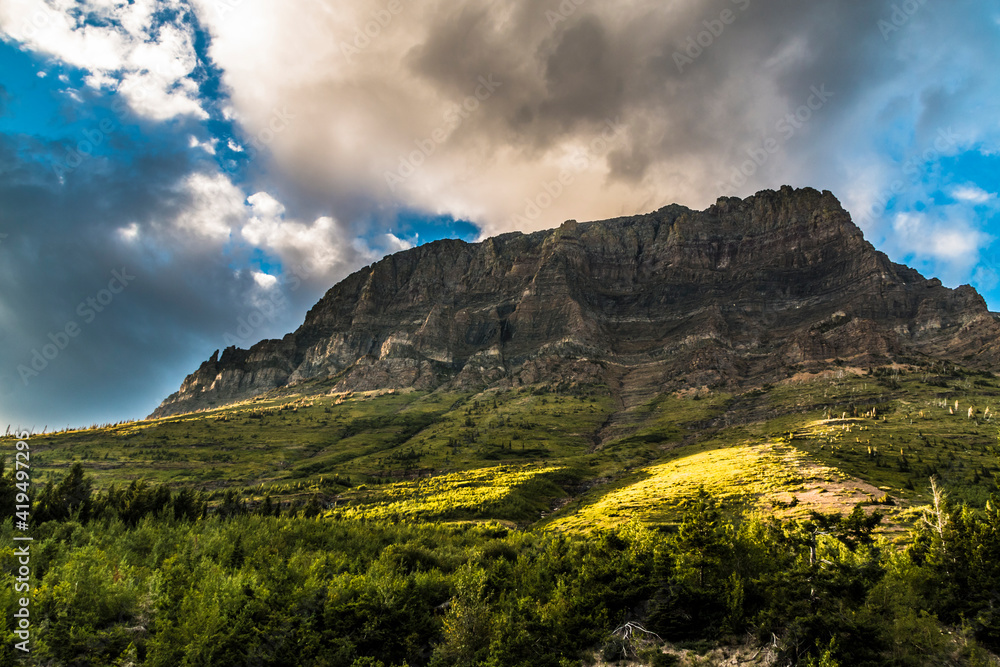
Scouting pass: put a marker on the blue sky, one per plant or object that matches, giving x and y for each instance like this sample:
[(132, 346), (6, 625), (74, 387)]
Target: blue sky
[(170, 168)]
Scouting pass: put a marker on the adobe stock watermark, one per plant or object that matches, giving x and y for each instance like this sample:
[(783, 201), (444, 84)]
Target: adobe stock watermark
[(268, 311), (224, 7), (550, 191), (900, 16), (913, 170), (786, 127), (93, 138), (365, 35), (22, 540), (41, 18), (695, 45), (453, 119), (87, 311), (8, 383), (565, 9)]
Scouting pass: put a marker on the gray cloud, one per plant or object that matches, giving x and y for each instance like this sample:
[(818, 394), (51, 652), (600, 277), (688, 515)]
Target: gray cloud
[(566, 70), (146, 221)]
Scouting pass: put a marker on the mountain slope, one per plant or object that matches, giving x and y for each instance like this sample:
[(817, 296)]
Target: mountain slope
[(746, 292)]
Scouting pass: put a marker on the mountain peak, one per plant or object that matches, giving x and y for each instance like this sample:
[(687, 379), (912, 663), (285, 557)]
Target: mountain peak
[(746, 292)]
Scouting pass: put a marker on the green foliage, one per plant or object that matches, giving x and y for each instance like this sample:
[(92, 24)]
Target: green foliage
[(70, 496), (254, 589)]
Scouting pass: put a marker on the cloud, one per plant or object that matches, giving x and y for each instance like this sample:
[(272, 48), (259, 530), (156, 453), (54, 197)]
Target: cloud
[(951, 240), (129, 233), (395, 244), (973, 194), (375, 95), (211, 207), (194, 142), (264, 281), (308, 248), (173, 221), (132, 48), (500, 112)]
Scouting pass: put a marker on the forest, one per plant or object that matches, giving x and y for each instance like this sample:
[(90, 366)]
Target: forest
[(144, 574)]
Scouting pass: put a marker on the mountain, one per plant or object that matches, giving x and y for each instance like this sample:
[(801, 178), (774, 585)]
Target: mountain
[(744, 293)]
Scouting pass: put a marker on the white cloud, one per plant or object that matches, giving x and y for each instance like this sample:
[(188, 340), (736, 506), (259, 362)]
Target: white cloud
[(952, 241), (396, 244), (973, 194), (212, 207), (206, 146), (129, 233), (264, 280), (266, 207), (315, 246), (208, 213), (118, 45)]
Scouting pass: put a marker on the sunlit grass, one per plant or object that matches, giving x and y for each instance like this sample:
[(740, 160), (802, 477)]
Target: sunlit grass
[(481, 493), (737, 476)]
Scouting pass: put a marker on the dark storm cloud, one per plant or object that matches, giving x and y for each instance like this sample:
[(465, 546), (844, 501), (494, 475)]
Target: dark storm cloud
[(114, 221), (566, 76)]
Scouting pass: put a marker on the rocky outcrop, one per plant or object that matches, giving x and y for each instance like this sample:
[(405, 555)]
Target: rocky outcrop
[(744, 292)]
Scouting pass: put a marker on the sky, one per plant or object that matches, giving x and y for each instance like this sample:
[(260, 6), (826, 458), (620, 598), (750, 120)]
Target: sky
[(179, 176)]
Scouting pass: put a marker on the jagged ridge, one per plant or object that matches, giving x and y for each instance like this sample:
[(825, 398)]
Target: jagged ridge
[(745, 292)]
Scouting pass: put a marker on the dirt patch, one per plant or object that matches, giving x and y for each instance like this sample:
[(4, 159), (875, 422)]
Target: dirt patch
[(829, 374), (822, 489)]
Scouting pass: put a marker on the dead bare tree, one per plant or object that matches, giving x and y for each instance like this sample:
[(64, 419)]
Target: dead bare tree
[(936, 519), (629, 633)]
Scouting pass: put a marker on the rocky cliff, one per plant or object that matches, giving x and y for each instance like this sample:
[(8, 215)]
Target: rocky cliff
[(745, 292)]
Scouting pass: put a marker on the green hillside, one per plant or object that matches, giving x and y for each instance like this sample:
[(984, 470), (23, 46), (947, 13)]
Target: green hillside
[(570, 456)]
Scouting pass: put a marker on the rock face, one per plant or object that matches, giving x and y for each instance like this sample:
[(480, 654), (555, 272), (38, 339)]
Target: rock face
[(746, 292)]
